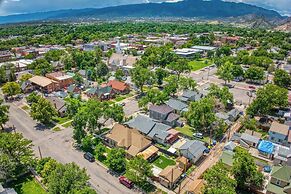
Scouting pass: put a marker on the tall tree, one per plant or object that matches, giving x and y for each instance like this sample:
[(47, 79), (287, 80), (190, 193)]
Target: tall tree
[(73, 105), (225, 72), (218, 180), (222, 94), (268, 98), (116, 159), (255, 73), (41, 67), (119, 74), (16, 155), (161, 74), (180, 66), (154, 96), (282, 78), (4, 110), (11, 89), (139, 170), (201, 114), (187, 83), (67, 179), (245, 170), (43, 111), (140, 76)]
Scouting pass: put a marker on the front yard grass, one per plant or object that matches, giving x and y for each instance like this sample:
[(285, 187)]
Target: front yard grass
[(186, 130), (27, 185), (25, 107), (199, 64), (61, 120), (68, 124), (162, 162), (56, 129)]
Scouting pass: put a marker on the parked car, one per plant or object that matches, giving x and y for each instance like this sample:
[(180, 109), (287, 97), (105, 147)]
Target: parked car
[(88, 156), (267, 169), (123, 180), (252, 87), (198, 135), (122, 104)]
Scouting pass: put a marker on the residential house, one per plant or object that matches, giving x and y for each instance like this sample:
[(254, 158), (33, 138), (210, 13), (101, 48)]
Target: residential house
[(73, 89), (119, 87), (195, 186), (227, 158), (129, 139), (117, 61), (164, 114), (247, 140), (59, 105), (149, 154), (266, 149), (44, 84), (62, 78), (5, 56), (280, 133), (193, 150), (229, 146), (26, 86), (102, 93), (282, 156), (280, 182), (233, 115), (156, 131), (7, 190), (170, 176), (177, 105), (190, 96)]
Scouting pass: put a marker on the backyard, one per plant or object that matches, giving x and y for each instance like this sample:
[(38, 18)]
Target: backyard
[(27, 185), (199, 64), (162, 162)]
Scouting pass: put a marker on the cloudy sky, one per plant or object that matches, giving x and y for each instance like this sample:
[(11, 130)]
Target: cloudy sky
[(8, 7)]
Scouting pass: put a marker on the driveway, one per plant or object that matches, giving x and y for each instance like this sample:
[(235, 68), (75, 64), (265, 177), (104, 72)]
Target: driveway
[(58, 145)]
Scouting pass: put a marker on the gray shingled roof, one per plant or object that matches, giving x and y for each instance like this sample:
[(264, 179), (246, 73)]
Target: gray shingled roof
[(250, 138), (142, 123), (172, 117), (163, 109), (189, 93), (176, 104), (194, 147)]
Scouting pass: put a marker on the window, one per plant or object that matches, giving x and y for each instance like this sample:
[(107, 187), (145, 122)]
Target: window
[(278, 182)]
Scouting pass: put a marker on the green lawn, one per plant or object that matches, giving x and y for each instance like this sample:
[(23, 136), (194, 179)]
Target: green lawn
[(162, 162), (61, 120), (186, 130), (25, 107), (56, 129), (68, 124), (120, 98), (27, 185), (199, 64)]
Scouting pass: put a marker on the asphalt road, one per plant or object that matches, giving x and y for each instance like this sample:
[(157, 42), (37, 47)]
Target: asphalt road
[(58, 145)]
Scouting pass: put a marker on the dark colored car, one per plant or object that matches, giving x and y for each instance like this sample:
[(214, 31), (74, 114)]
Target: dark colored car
[(88, 156), (123, 180)]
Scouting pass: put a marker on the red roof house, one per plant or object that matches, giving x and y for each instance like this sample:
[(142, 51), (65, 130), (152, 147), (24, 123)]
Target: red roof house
[(118, 86)]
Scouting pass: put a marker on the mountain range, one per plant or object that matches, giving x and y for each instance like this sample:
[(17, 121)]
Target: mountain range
[(204, 9)]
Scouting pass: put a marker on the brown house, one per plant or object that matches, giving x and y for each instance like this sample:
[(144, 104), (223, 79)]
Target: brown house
[(63, 79), (44, 84), (119, 87), (280, 180), (170, 176), (129, 139)]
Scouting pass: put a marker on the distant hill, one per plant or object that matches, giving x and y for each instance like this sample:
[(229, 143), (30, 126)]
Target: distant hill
[(210, 9)]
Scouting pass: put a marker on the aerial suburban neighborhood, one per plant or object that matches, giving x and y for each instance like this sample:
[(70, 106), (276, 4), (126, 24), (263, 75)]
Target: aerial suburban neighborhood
[(144, 107)]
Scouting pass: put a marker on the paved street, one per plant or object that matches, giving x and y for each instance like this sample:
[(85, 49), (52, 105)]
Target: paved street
[(58, 145)]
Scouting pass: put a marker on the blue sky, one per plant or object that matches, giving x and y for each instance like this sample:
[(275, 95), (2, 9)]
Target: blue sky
[(8, 7)]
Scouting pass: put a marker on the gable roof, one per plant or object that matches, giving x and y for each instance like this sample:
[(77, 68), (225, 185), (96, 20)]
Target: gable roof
[(283, 173), (41, 81), (176, 104), (189, 93), (279, 128), (160, 131), (117, 85), (128, 138), (163, 109), (142, 123), (250, 138), (172, 117), (58, 103), (193, 147), (147, 153), (171, 173)]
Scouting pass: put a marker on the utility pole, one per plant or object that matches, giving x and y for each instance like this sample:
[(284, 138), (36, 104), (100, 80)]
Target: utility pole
[(40, 155)]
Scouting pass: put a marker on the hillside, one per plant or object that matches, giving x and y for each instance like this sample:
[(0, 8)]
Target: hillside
[(183, 9)]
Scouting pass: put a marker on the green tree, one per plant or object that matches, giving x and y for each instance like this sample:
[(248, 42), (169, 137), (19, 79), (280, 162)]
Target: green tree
[(219, 129), (116, 159), (140, 76), (78, 79), (48, 168), (187, 83), (25, 77), (100, 149), (67, 179), (161, 74), (41, 67), (43, 111), (119, 74), (16, 155), (139, 170), (245, 170), (87, 143), (225, 72), (73, 105), (172, 85), (268, 98), (237, 71), (33, 98), (154, 96), (102, 70), (222, 94), (255, 73), (54, 55), (11, 88), (201, 114), (114, 112), (282, 78), (218, 180), (4, 111), (180, 66)]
